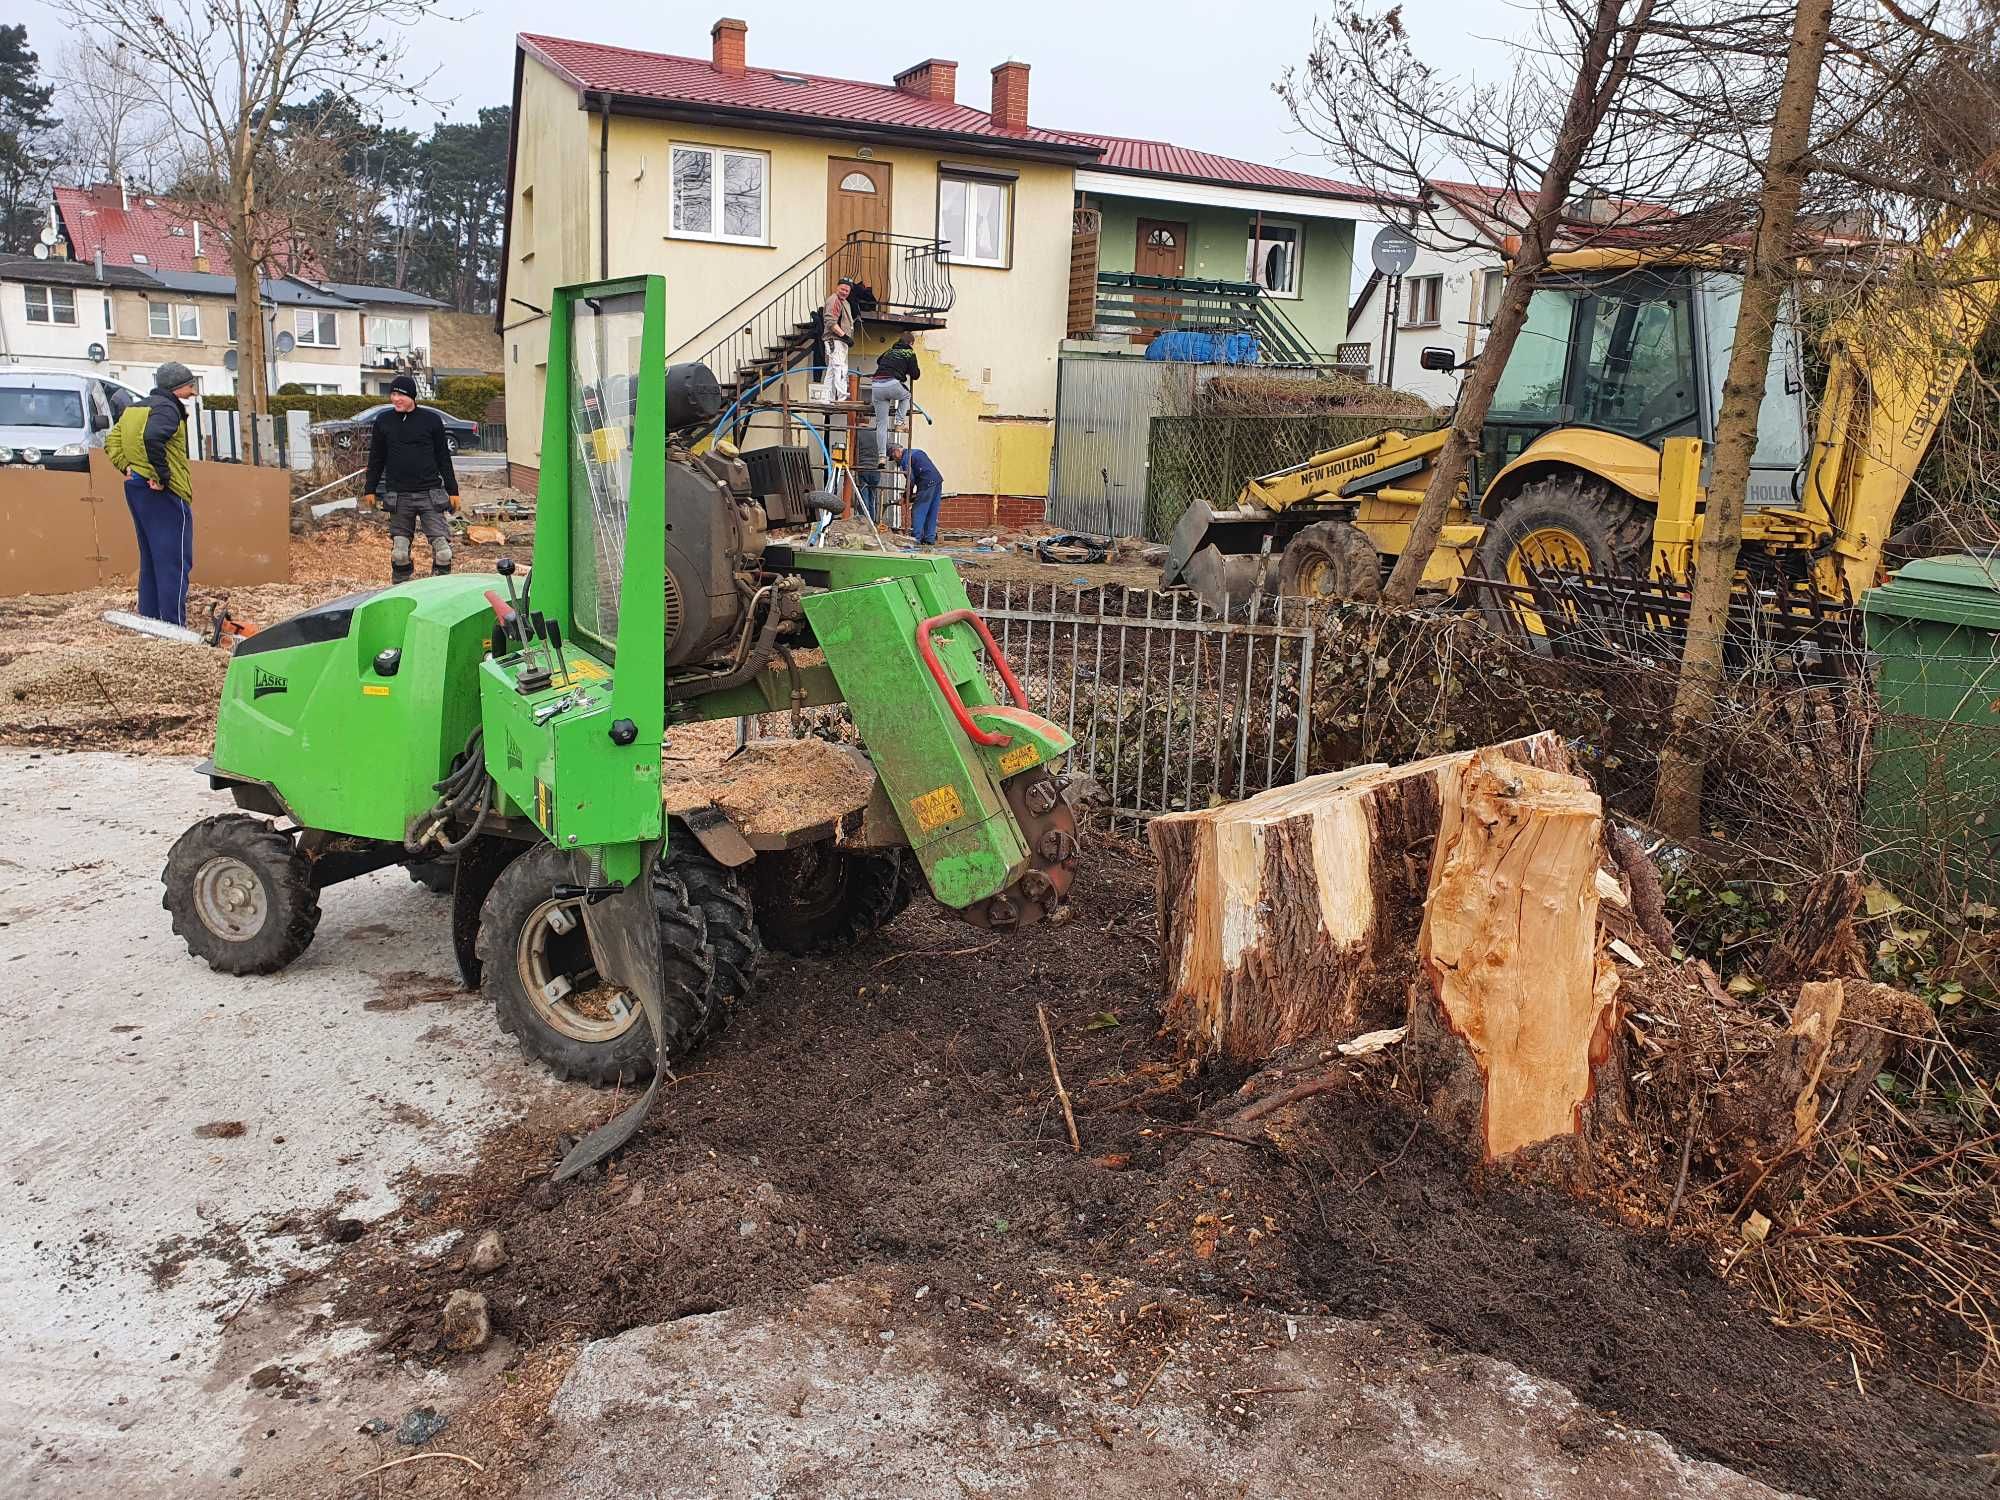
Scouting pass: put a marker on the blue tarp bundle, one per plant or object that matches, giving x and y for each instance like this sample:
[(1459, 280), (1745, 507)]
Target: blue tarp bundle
[(1205, 348)]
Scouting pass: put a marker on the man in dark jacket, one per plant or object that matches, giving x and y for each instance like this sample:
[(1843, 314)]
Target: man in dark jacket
[(892, 388), (148, 444), (410, 475)]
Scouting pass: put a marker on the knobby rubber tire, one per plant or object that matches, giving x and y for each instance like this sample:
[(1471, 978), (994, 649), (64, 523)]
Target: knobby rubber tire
[(1615, 528), (285, 876), (863, 893), (726, 906), (1343, 551), (628, 1057)]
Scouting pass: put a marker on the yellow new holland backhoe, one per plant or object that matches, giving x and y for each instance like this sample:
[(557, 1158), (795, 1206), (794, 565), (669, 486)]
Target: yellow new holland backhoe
[(1592, 459)]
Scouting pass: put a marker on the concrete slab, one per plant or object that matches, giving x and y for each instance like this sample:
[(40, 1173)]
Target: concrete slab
[(130, 1238)]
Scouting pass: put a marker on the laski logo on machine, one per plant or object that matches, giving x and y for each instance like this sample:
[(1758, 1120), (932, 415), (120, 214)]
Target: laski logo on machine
[(513, 754), (266, 683)]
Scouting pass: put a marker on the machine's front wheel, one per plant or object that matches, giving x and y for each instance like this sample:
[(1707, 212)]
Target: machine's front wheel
[(1331, 560), (241, 894), (819, 900), (538, 969)]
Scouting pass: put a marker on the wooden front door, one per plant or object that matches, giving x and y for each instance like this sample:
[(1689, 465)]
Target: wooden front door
[(1161, 251), (857, 199)]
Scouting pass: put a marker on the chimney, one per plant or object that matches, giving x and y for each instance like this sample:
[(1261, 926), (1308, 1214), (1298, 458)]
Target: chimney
[(932, 79), (97, 261), (726, 44), (200, 258), (125, 192), (1010, 96)]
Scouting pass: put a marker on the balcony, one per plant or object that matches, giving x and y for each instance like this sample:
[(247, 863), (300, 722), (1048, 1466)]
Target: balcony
[(1141, 308), (392, 357)]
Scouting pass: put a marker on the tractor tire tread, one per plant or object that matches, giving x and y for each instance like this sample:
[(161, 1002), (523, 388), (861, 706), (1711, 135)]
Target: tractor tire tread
[(627, 1058), (289, 888), (878, 886), (1347, 553), (731, 916)]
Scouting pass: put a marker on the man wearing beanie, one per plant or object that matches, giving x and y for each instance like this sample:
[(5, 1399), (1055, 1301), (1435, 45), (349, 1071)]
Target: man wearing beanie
[(410, 476), (148, 444)]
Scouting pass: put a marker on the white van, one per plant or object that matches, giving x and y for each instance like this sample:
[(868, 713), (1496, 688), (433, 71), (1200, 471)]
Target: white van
[(52, 419)]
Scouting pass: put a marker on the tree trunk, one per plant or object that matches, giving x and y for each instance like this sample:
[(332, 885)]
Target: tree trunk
[(1295, 914), (1678, 794), (1512, 1016), (1608, 49)]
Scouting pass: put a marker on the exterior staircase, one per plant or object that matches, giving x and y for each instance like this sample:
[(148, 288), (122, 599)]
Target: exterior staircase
[(908, 277)]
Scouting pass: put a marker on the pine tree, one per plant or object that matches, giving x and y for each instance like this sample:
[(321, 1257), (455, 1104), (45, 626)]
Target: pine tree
[(27, 146)]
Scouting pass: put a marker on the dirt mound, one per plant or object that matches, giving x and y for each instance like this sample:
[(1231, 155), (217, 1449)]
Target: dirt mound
[(893, 1109)]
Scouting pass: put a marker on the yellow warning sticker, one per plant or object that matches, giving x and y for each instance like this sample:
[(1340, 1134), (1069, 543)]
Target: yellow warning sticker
[(583, 668), (1020, 758), (375, 689), (937, 808), (542, 808)]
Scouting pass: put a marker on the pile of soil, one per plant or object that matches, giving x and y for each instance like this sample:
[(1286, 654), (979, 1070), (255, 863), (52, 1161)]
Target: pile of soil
[(893, 1110)]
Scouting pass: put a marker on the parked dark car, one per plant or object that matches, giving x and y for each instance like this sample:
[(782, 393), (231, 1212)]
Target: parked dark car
[(352, 432)]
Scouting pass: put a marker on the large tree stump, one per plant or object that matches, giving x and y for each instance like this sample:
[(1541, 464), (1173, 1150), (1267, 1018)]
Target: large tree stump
[(1295, 914), (1512, 1016)]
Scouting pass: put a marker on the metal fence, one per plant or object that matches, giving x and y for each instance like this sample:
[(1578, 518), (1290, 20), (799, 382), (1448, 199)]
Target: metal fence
[(1210, 458), (1173, 704)]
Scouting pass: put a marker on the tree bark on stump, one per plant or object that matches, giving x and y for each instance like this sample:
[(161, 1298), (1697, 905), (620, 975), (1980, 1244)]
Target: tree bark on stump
[(1512, 1017), (1295, 914)]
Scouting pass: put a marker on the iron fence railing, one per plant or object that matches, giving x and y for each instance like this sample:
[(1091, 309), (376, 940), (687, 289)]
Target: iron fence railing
[(1147, 306), (904, 275), (1173, 704)]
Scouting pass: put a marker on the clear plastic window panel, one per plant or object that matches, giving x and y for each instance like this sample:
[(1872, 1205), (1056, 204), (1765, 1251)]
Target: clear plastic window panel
[(603, 395)]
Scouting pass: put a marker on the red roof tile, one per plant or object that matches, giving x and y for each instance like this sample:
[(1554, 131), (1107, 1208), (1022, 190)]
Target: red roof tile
[(689, 80), (152, 226), (1159, 159)]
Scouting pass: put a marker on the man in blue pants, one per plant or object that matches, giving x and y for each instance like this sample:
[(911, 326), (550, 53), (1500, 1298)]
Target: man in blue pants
[(926, 491), (148, 444)]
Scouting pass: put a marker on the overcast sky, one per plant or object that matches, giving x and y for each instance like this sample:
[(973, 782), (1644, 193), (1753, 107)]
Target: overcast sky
[(1193, 72)]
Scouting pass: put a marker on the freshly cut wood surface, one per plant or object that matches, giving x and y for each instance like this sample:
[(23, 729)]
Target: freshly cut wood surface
[(1294, 913), (1516, 998)]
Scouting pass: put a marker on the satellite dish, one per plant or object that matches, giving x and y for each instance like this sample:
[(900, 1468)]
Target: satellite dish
[(96, 352), (286, 343), (41, 252), (48, 234), (229, 360), (1394, 251)]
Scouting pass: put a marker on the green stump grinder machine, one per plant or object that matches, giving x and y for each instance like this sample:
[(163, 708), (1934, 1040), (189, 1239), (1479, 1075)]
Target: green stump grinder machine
[(508, 739)]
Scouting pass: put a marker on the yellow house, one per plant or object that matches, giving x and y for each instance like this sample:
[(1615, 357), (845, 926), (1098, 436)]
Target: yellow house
[(735, 183)]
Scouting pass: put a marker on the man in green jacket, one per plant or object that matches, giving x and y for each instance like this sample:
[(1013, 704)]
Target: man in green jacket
[(148, 443)]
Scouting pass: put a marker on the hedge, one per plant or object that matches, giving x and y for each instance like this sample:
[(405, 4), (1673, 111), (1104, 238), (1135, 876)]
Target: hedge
[(465, 397)]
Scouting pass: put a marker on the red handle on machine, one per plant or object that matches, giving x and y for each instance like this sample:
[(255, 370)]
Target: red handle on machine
[(945, 685)]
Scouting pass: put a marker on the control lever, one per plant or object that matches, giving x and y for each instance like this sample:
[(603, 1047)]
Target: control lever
[(556, 645), (505, 568)]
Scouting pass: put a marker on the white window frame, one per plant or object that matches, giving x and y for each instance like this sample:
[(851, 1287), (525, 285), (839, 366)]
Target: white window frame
[(110, 319), (178, 315), (1413, 290), (1253, 230), (372, 333), (49, 307), (718, 157), (232, 325), (971, 184), (301, 316)]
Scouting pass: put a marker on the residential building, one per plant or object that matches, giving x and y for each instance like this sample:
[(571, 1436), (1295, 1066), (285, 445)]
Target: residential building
[(464, 344), (1160, 210), (394, 336), (733, 181), (346, 339), (62, 314), (1445, 300)]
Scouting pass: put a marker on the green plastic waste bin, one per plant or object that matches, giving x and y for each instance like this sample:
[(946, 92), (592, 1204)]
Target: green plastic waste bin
[(1933, 800)]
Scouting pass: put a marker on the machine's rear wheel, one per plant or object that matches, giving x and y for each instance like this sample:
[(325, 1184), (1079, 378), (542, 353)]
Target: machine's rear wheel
[(538, 969), (1331, 560), (1570, 521), (730, 915), (241, 894), (820, 900)]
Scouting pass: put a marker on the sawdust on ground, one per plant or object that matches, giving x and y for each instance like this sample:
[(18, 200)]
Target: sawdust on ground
[(775, 786)]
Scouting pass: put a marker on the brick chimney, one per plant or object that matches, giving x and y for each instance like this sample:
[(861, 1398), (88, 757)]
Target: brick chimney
[(726, 44), (932, 79), (1010, 96)]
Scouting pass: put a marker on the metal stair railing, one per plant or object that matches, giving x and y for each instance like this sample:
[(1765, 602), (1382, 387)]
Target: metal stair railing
[(917, 276), (1150, 305)]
